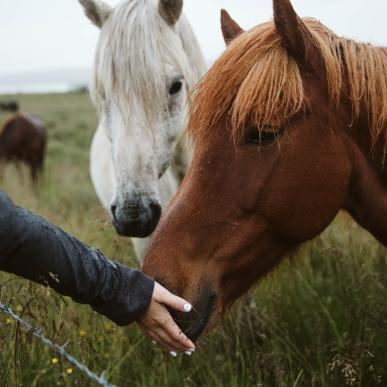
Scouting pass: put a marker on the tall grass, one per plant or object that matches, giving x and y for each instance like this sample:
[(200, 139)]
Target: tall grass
[(319, 320)]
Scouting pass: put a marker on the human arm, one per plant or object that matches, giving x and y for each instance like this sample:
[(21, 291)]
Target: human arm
[(36, 250)]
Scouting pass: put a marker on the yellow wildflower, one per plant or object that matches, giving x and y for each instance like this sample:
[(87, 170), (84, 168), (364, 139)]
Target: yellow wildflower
[(69, 371), (108, 326), (54, 360), (8, 321), (82, 333)]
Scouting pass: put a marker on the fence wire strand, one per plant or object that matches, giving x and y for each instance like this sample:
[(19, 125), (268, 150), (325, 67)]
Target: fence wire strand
[(60, 350)]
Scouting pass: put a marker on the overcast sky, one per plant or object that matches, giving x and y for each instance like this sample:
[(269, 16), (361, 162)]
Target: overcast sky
[(40, 35)]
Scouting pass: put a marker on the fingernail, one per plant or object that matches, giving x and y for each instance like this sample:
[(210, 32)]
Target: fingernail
[(187, 307), (173, 354), (188, 353)]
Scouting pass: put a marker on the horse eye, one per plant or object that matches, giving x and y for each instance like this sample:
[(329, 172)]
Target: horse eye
[(176, 87), (257, 137)]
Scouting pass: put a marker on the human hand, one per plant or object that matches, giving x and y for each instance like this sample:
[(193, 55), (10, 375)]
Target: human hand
[(159, 325)]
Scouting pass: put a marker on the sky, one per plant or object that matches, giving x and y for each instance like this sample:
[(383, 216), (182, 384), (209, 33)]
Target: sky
[(41, 35)]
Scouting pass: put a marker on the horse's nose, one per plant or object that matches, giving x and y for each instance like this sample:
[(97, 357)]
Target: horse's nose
[(156, 212), (136, 218), (113, 209)]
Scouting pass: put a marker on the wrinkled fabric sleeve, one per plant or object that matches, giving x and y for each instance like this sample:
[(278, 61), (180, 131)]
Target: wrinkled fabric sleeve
[(34, 249)]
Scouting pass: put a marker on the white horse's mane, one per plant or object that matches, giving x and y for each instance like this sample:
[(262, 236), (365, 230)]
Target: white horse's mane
[(135, 44)]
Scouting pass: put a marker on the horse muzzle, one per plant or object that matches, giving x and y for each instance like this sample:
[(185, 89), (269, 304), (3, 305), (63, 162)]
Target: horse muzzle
[(196, 322), (136, 219)]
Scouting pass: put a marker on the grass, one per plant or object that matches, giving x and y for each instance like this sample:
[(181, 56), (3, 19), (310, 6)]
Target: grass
[(319, 320)]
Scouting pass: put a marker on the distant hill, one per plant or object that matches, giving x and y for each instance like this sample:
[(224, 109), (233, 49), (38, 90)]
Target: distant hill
[(44, 81)]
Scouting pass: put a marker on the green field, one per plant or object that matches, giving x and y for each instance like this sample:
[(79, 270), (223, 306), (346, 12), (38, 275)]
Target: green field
[(319, 320)]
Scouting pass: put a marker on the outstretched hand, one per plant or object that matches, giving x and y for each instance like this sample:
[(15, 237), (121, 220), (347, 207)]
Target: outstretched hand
[(159, 325)]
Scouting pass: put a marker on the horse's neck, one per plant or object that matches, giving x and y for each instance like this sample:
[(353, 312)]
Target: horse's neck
[(367, 196), (374, 153)]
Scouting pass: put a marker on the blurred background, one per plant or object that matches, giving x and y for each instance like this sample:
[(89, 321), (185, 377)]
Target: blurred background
[(319, 320), (47, 45)]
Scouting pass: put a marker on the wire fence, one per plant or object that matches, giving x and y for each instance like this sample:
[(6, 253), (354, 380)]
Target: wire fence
[(60, 350)]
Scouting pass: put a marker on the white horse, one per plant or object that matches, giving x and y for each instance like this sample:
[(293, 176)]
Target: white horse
[(147, 62)]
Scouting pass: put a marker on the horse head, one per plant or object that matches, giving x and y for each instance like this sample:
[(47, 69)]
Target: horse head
[(144, 70), (282, 124)]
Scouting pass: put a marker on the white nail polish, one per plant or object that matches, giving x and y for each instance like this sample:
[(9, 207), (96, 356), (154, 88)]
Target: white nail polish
[(187, 308), (173, 354), (188, 353)]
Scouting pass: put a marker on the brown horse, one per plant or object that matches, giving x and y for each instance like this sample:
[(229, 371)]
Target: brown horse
[(24, 138), (290, 127), (10, 106)]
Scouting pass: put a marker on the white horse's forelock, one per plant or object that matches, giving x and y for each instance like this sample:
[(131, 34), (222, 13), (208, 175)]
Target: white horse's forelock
[(135, 44)]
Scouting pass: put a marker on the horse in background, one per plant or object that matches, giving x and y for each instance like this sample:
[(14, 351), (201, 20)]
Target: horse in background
[(146, 64), (9, 106), (23, 138), (290, 127)]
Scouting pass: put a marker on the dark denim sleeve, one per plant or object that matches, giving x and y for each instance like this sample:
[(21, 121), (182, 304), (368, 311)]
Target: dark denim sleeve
[(41, 252)]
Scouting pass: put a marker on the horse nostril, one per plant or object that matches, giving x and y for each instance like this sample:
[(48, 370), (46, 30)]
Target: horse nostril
[(113, 209), (156, 211)]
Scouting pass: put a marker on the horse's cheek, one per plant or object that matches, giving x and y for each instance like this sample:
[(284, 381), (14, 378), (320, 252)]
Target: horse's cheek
[(307, 189)]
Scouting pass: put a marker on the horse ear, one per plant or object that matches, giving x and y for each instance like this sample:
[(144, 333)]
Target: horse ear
[(170, 10), (296, 37), (230, 28), (97, 11)]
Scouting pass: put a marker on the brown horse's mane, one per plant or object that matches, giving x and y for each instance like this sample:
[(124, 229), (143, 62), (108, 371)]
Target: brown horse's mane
[(256, 82)]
